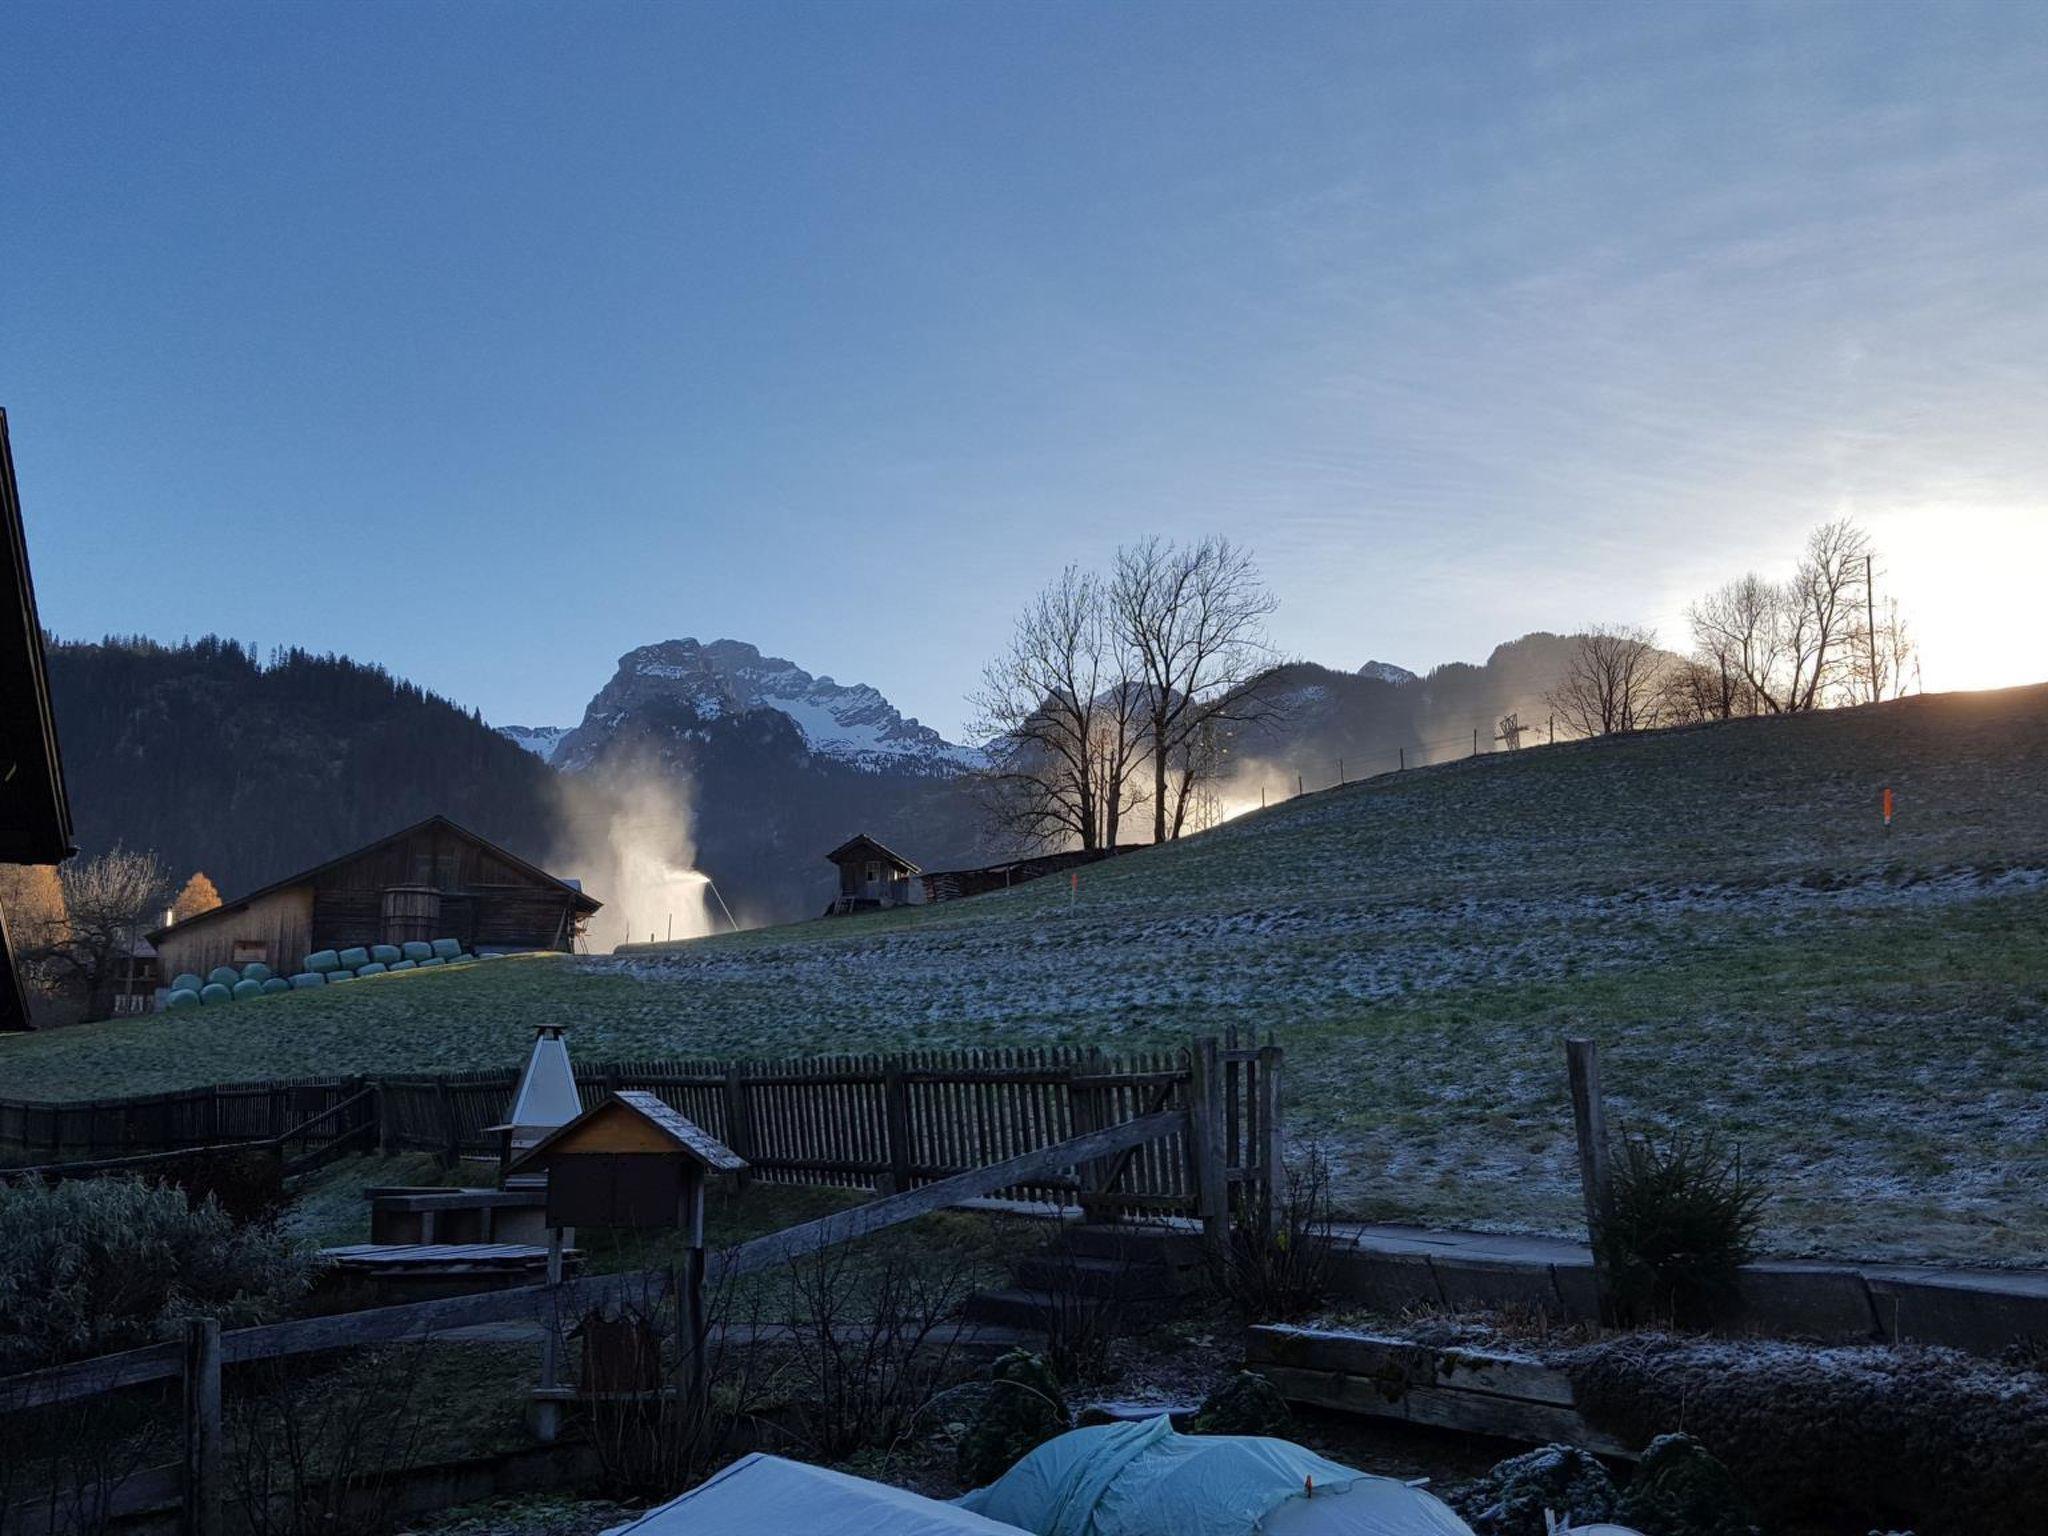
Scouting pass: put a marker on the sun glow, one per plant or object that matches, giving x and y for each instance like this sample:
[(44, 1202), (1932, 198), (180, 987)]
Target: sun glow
[(1969, 582)]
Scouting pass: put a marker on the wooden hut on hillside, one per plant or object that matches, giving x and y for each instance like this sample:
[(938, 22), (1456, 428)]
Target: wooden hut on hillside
[(870, 876), (433, 880), (35, 817)]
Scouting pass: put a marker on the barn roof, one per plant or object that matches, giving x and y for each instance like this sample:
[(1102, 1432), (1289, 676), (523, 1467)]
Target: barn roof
[(860, 843), (35, 817), (582, 903), (688, 1137)]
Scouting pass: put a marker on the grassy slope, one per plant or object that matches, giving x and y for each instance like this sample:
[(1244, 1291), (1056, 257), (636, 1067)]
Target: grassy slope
[(1864, 1010)]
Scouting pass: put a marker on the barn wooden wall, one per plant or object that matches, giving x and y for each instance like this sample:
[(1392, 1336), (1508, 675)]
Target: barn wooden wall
[(282, 920)]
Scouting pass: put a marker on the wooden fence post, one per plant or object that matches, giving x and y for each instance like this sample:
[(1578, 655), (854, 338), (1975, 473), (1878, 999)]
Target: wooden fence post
[(896, 1122), (1589, 1116), (1205, 1141), (382, 1110), (451, 1132), (202, 1500), (739, 1121), (1270, 1145)]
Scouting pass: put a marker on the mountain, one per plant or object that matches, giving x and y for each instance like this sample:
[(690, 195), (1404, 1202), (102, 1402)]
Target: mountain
[(1387, 672), (540, 740), (251, 770), (855, 726), (749, 768)]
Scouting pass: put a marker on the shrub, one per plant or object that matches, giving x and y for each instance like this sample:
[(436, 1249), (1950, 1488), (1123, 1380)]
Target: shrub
[(97, 1265), (1024, 1409), (1680, 1221), (1278, 1269), (1520, 1496)]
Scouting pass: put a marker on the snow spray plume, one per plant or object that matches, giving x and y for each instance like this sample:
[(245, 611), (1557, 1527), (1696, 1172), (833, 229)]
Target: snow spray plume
[(629, 839)]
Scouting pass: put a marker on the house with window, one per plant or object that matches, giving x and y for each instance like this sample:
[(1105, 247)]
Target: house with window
[(871, 877)]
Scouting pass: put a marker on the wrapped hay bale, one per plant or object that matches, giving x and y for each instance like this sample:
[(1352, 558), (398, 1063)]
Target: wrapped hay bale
[(340, 976), (275, 984), (214, 992), (185, 981), (446, 949), (417, 950), (385, 954), (354, 959), (245, 989), (402, 965), (323, 960), (374, 968), (255, 970), (183, 997), (307, 979), (430, 961), (223, 975)]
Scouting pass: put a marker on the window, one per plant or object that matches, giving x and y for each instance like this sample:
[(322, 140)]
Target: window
[(874, 873), (247, 950)]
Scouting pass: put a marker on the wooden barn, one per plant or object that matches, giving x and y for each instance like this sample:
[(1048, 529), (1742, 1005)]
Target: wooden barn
[(35, 817), (870, 876), (435, 880)]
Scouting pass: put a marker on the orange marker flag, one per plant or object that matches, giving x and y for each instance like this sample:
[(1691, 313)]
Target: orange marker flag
[(1887, 805)]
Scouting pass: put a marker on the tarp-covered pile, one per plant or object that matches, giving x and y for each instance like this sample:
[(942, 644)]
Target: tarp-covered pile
[(1146, 1480), (762, 1495)]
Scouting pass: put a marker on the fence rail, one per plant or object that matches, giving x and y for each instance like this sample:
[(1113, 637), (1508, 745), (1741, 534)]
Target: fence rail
[(872, 1122)]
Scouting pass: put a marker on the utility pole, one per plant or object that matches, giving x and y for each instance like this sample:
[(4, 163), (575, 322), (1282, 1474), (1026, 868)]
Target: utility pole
[(1870, 612)]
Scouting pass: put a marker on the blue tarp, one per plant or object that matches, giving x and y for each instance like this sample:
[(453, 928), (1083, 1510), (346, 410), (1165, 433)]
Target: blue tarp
[(1145, 1480)]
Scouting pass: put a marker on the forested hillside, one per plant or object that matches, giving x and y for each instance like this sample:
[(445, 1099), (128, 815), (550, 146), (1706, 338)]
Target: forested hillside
[(250, 769)]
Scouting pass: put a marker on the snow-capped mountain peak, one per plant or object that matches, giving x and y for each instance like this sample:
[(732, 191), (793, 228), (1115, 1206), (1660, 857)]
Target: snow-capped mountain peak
[(541, 740), (853, 724), (1386, 672)]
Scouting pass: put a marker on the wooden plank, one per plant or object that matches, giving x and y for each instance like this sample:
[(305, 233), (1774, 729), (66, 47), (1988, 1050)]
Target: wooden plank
[(88, 1378), (1205, 1138), (1387, 1359), (844, 1226), (202, 1428), (1507, 1418)]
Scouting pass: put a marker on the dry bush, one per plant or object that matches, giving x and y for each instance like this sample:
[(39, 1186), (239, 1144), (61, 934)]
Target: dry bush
[(1278, 1268)]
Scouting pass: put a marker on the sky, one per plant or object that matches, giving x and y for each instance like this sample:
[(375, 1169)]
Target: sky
[(489, 342)]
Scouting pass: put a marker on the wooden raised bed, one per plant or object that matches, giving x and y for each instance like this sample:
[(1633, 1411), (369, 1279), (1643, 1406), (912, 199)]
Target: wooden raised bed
[(1478, 1391)]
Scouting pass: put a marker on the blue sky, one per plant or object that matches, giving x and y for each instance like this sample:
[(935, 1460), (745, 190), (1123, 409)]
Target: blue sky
[(491, 341)]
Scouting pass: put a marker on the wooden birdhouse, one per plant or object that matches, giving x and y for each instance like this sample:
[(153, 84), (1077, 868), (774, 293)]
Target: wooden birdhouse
[(631, 1161)]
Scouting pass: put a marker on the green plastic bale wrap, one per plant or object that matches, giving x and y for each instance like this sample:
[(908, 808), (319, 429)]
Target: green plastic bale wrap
[(214, 992), (417, 950), (276, 984), (446, 949), (386, 954), (183, 997), (431, 961), (323, 960), (255, 970), (245, 989), (307, 979), (185, 981), (354, 959), (374, 968), (402, 965), (223, 975)]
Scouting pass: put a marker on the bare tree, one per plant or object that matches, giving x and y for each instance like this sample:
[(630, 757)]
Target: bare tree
[(1823, 612), (1738, 633), (1887, 665), (1610, 685), (1785, 648), (1193, 617), (109, 902), (1060, 710)]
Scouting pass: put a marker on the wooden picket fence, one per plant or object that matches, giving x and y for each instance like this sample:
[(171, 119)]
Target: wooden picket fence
[(866, 1121)]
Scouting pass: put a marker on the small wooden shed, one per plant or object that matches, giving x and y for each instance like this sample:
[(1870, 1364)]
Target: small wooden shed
[(631, 1161), (871, 876)]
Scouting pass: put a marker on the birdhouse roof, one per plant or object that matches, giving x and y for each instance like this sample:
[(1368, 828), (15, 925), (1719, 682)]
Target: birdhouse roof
[(632, 1120)]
